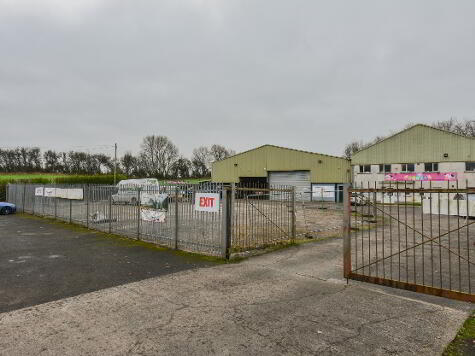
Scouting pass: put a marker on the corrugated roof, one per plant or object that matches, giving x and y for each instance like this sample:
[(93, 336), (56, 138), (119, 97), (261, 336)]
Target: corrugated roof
[(285, 148), (410, 128)]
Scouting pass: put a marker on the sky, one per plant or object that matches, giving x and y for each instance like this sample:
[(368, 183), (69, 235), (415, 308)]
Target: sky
[(311, 75)]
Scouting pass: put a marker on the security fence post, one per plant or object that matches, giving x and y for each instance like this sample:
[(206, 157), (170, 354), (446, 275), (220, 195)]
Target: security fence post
[(110, 210), (227, 222), (43, 203), (24, 197), (70, 211), (34, 199), (346, 231), (293, 215), (176, 217), (88, 189), (55, 202), (375, 209), (138, 213)]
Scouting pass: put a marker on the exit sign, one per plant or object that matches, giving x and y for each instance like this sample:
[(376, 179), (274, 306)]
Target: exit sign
[(207, 202)]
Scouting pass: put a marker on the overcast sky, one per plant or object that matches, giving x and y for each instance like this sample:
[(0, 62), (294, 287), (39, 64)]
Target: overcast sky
[(312, 75)]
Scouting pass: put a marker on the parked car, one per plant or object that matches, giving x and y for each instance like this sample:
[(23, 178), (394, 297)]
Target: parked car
[(128, 192), (358, 199), (7, 208)]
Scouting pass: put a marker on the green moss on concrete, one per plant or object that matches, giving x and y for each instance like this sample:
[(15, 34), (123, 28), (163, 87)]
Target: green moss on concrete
[(464, 342), (129, 242)]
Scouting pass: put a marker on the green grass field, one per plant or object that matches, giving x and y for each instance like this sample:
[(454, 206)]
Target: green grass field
[(27, 176), (9, 177), (186, 180)]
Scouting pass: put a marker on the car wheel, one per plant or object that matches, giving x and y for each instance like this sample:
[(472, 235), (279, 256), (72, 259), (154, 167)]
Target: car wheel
[(5, 211)]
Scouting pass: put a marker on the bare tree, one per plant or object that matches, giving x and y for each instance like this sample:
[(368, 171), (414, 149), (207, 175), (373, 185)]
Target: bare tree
[(201, 161), (219, 152), (181, 168), (158, 155), (464, 128), (352, 148), (51, 161), (128, 162)]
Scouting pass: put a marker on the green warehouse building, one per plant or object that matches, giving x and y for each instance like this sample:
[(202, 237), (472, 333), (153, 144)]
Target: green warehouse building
[(314, 175)]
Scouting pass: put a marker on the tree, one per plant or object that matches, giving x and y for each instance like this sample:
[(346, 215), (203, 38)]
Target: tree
[(158, 155), (181, 168), (51, 161), (219, 152), (352, 148), (201, 161), (128, 163), (464, 128)]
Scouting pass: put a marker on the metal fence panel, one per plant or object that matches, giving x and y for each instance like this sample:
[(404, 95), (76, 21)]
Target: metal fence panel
[(412, 238), (167, 215)]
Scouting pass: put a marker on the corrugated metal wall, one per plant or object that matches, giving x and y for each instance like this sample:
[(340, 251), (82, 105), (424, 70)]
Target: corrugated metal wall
[(257, 162), (418, 144)]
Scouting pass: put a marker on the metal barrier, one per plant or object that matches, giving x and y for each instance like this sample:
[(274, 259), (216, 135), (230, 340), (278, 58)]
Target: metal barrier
[(167, 215), (262, 217), (415, 239)]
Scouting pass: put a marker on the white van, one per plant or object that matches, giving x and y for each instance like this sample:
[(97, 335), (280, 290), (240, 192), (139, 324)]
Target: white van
[(128, 192)]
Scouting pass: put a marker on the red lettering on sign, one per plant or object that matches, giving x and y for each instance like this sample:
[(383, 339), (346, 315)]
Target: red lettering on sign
[(206, 202)]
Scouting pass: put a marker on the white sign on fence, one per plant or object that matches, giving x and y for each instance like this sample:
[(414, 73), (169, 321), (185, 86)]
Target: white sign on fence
[(39, 191), (50, 192), (73, 194), (207, 202), (152, 215)]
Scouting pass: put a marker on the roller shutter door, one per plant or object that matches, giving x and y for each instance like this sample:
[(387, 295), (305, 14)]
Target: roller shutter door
[(298, 179)]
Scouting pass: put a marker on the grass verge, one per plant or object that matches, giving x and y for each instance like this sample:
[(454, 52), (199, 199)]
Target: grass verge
[(464, 342), (129, 242)]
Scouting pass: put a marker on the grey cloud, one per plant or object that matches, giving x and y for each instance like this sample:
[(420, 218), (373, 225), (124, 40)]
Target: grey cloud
[(306, 74)]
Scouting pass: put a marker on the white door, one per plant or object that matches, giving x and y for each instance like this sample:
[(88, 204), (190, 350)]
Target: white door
[(323, 192), (298, 179)]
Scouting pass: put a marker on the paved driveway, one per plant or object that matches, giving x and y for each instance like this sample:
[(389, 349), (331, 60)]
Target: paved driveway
[(292, 302), (42, 261)]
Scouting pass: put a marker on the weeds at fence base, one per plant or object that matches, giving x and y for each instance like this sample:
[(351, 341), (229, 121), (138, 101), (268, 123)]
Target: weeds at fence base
[(244, 254), (128, 242), (464, 342), (241, 254)]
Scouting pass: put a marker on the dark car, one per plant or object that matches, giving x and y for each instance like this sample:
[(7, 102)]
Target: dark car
[(7, 208)]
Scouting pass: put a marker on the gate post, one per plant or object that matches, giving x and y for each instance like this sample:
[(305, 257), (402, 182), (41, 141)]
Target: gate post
[(70, 211), (293, 214), (138, 213), (110, 209), (227, 222), (346, 231), (176, 217)]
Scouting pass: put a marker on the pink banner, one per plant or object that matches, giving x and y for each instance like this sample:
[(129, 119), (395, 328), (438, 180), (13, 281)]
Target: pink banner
[(400, 177)]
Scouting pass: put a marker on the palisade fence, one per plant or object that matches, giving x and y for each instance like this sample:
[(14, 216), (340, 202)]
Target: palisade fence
[(245, 218), (410, 237), (3, 192)]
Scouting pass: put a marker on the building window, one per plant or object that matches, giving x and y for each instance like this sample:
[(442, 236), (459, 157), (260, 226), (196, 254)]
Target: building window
[(365, 168), (407, 167), (470, 166), (384, 168), (431, 167)]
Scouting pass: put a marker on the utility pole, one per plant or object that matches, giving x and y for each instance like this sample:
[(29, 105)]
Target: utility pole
[(115, 163)]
